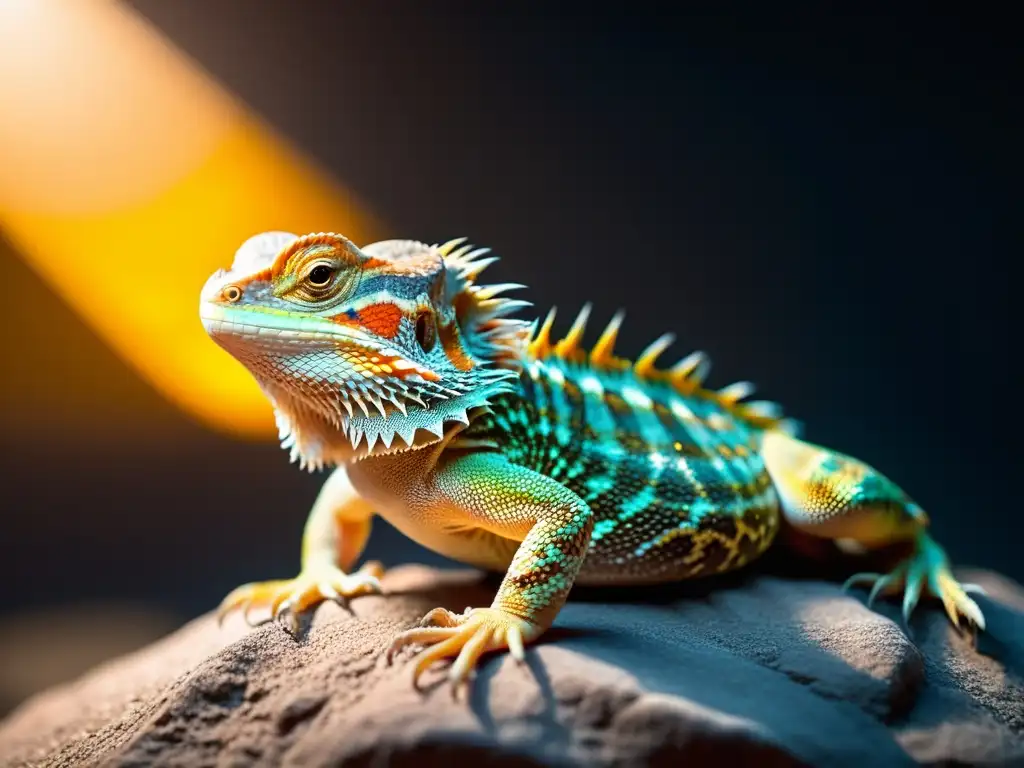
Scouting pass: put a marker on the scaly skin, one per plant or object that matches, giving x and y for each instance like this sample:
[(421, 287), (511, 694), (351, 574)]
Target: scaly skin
[(477, 436)]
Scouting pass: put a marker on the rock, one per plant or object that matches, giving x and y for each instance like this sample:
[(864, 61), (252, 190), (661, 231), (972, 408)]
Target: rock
[(757, 669)]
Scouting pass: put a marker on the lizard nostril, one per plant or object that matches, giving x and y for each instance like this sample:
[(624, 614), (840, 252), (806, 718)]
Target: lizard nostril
[(231, 292)]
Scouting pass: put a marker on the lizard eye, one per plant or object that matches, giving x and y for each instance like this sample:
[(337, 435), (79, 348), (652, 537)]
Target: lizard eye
[(322, 281), (321, 275), (426, 332)]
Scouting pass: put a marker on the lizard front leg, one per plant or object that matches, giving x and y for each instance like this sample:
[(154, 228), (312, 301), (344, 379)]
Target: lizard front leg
[(827, 494), (334, 537), (553, 525)]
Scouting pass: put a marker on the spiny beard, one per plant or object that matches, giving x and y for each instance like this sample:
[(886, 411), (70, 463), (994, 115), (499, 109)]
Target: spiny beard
[(374, 416)]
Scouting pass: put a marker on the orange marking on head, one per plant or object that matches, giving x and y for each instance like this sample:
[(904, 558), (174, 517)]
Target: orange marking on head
[(451, 342), (381, 319), (370, 362)]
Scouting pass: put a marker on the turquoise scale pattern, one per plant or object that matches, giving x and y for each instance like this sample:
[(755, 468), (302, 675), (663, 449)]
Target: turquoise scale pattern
[(675, 482)]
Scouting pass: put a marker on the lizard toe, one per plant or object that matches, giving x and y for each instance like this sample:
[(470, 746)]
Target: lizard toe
[(926, 570), (464, 638), (286, 599)]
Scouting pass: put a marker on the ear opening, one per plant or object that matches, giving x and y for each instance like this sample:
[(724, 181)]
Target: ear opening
[(426, 330)]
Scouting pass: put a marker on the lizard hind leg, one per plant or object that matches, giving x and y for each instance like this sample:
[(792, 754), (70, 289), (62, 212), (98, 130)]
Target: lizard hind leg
[(830, 495)]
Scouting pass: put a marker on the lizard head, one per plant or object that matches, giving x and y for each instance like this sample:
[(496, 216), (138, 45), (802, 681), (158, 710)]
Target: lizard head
[(364, 350)]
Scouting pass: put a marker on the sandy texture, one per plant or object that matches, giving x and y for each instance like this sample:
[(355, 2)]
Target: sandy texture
[(760, 669)]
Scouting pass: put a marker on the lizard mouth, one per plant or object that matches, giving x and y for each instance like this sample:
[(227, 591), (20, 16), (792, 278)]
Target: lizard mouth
[(311, 350), (271, 330)]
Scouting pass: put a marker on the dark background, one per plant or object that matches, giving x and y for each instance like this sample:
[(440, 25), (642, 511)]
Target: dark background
[(821, 201)]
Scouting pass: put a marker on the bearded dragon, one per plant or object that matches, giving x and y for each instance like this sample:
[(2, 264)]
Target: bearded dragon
[(480, 437)]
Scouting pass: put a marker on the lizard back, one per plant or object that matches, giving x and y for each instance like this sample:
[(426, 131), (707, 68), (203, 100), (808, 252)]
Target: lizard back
[(672, 472)]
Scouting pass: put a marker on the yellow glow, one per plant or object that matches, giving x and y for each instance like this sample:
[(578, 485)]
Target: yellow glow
[(127, 177)]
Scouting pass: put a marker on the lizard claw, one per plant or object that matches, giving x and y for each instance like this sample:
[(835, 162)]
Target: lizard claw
[(926, 569), (861, 578), (286, 599), (465, 637)]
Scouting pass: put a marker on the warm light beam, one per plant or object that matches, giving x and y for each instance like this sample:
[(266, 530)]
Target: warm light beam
[(127, 176)]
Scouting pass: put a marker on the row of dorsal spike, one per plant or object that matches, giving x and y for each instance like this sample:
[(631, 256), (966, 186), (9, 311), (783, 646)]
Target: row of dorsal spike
[(687, 374)]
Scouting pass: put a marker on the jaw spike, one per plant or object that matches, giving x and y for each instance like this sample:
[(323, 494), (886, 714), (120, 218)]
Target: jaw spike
[(540, 346), (694, 367), (733, 393), (644, 365), (602, 351), (410, 395), (490, 291), (408, 434), (346, 405), (567, 346), (375, 399), (354, 436), (335, 419), (397, 402), (511, 325), (460, 252), (508, 306), (359, 401), (447, 248), (472, 272), (371, 440)]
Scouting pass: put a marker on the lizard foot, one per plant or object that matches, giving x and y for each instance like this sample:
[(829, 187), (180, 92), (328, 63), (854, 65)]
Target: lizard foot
[(927, 568), (291, 597), (465, 636)]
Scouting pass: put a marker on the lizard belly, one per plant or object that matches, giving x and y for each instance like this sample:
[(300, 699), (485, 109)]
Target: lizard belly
[(473, 546)]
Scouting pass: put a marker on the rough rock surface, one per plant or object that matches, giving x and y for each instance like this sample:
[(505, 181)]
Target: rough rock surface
[(759, 670)]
